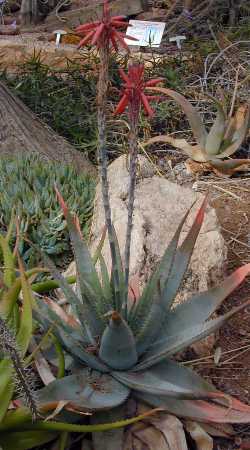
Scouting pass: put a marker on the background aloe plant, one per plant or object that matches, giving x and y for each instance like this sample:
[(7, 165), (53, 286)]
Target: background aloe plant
[(223, 139)]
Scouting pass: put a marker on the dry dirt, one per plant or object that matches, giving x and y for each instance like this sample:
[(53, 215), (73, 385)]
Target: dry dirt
[(232, 374)]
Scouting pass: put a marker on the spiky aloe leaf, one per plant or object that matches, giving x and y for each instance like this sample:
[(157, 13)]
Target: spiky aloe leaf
[(9, 262), (182, 258), (88, 280), (242, 123), (235, 122), (106, 286), (200, 410), (25, 330), (216, 133), (118, 348), (6, 385), (181, 339), (168, 379), (195, 152), (157, 280), (117, 272), (71, 342), (167, 294), (45, 311), (84, 264), (194, 119), (8, 299), (88, 390), (90, 321), (230, 166), (199, 308)]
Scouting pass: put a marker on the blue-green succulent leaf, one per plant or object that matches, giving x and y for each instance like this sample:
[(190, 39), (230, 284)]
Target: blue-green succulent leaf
[(117, 272), (216, 133), (182, 258), (149, 304), (84, 263), (76, 349), (87, 276), (172, 344), (85, 310), (88, 390), (71, 341), (45, 312), (118, 349), (167, 378), (201, 411), (179, 260), (199, 308), (106, 281)]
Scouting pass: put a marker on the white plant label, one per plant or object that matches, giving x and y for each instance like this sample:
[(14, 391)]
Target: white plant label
[(148, 34)]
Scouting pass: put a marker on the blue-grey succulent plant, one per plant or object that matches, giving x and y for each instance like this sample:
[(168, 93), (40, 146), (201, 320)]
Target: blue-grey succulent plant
[(123, 348)]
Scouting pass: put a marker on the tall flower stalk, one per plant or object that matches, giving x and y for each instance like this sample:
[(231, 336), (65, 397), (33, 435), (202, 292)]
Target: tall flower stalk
[(133, 97), (104, 34)]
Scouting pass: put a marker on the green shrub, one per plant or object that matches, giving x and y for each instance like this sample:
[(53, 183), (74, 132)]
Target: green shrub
[(65, 100), (27, 186)]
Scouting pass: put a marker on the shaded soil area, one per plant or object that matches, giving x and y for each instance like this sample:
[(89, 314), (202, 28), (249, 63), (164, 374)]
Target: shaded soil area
[(231, 373)]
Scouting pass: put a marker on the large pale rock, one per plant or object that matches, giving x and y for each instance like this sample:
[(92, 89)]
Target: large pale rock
[(159, 207)]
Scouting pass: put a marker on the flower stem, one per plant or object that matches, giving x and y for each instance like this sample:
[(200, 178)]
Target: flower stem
[(134, 109), (103, 161), (133, 148)]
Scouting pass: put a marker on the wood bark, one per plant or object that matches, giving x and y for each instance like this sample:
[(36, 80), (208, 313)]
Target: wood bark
[(89, 13), (22, 131)]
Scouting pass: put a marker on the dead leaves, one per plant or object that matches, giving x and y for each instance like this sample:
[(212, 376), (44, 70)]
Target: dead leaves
[(223, 169)]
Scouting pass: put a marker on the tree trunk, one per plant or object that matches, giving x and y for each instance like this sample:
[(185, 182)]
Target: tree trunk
[(21, 131)]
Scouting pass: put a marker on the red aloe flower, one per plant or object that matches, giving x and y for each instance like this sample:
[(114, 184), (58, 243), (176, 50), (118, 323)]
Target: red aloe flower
[(133, 91), (105, 30)]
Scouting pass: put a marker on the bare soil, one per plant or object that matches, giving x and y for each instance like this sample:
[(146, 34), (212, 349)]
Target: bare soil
[(232, 373)]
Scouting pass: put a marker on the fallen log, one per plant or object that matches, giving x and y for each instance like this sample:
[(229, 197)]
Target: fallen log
[(74, 17), (22, 131)]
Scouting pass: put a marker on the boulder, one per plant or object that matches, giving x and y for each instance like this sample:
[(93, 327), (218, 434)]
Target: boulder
[(159, 207)]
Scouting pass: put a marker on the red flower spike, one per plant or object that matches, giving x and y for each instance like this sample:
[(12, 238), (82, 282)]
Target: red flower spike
[(151, 83), (85, 40), (121, 105), (146, 105), (105, 30), (133, 91), (86, 27)]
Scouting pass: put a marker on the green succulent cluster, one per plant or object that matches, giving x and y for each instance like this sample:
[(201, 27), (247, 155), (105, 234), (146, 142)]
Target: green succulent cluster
[(27, 188), (124, 347)]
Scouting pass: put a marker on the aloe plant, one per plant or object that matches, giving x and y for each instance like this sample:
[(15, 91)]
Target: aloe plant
[(123, 346), (223, 139), (19, 407), (120, 350)]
